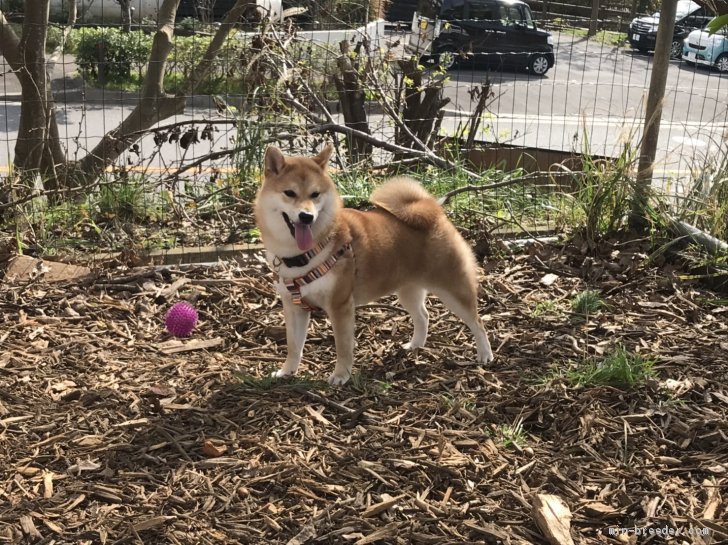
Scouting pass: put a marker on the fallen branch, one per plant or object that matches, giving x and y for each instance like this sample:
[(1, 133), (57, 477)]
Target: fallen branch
[(475, 188), (709, 242)]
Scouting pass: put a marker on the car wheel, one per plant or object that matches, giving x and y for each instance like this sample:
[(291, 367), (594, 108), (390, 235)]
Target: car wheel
[(538, 64), (676, 50), (445, 60), (722, 63), (436, 61)]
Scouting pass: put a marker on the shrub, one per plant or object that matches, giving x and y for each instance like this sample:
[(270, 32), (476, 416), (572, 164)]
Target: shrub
[(109, 53)]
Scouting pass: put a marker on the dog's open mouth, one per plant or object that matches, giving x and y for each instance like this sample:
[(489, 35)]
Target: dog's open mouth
[(301, 232)]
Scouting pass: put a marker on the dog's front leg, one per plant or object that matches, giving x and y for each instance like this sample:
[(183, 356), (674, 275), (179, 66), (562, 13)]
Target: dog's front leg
[(296, 328), (342, 320)]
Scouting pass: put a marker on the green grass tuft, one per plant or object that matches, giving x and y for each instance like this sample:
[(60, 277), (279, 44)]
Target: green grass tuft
[(587, 302), (620, 369), (512, 434), (545, 307)]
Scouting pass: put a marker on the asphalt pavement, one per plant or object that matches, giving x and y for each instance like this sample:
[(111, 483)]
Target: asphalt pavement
[(593, 96)]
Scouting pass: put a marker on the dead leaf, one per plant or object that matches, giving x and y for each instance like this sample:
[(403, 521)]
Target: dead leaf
[(677, 387), (548, 279), (83, 465), (162, 390), (211, 450)]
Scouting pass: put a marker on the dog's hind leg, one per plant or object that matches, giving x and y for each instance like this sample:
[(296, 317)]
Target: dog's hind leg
[(413, 300), (296, 328), (461, 300)]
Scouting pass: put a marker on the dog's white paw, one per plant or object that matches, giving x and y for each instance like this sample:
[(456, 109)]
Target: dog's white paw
[(412, 346), (281, 373), (485, 358), (338, 380)]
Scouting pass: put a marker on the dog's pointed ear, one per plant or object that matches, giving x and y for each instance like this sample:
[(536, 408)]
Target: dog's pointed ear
[(322, 159), (274, 160)]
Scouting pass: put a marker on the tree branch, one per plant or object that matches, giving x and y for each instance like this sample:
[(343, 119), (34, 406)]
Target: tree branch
[(10, 44), (200, 72), (155, 105), (474, 188)]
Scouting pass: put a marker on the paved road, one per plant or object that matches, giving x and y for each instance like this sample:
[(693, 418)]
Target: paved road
[(599, 91), (593, 90)]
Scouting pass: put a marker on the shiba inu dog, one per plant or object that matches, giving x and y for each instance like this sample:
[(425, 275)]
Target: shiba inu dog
[(333, 258)]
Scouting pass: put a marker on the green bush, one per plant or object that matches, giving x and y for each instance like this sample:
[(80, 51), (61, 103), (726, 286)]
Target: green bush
[(126, 56), (111, 54)]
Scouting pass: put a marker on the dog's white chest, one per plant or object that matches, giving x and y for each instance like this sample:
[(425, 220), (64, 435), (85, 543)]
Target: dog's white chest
[(316, 293)]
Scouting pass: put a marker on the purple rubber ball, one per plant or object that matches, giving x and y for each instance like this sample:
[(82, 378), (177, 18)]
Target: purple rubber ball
[(181, 319)]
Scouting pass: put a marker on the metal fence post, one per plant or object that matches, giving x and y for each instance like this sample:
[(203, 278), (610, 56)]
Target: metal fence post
[(653, 113)]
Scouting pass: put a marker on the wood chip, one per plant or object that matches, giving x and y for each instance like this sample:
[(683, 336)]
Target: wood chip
[(175, 346), (377, 508), (28, 527), (553, 517), (713, 498), (388, 532), (307, 533), (150, 523)]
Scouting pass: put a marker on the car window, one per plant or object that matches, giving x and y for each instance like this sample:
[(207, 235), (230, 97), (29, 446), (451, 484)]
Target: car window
[(485, 12), (454, 12), (527, 17), (510, 15), (684, 8)]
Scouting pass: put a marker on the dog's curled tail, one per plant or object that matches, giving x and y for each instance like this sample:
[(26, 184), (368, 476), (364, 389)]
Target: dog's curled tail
[(408, 201)]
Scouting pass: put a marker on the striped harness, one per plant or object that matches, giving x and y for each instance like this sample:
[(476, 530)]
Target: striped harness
[(293, 285)]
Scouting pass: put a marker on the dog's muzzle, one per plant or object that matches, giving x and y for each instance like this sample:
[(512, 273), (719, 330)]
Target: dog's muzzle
[(301, 230), (289, 223)]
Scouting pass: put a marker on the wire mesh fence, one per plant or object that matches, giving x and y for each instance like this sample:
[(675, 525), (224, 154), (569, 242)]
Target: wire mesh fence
[(485, 114)]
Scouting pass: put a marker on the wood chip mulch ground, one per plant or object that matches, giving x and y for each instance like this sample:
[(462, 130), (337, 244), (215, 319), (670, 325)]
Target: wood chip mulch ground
[(111, 432)]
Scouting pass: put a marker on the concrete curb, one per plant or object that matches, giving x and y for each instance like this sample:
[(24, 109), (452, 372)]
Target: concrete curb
[(95, 96)]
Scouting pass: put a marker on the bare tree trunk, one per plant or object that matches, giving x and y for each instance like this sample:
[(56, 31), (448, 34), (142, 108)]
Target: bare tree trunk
[(38, 148), (351, 96), (594, 21), (155, 105), (422, 104), (653, 115), (125, 15)]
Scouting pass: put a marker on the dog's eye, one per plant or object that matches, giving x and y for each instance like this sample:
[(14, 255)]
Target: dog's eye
[(315, 195), (289, 193)]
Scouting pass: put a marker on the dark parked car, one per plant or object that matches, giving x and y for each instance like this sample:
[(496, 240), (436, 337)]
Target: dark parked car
[(690, 16), (494, 32)]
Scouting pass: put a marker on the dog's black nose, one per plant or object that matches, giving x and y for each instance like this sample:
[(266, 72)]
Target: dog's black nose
[(305, 218)]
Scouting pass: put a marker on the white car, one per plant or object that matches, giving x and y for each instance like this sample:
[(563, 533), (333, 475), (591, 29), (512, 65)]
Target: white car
[(701, 47)]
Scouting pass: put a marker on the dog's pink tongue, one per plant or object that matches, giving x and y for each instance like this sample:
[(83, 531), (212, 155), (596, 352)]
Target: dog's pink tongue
[(304, 236)]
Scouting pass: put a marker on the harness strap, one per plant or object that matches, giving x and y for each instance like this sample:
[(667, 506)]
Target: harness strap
[(293, 285), (303, 259)]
